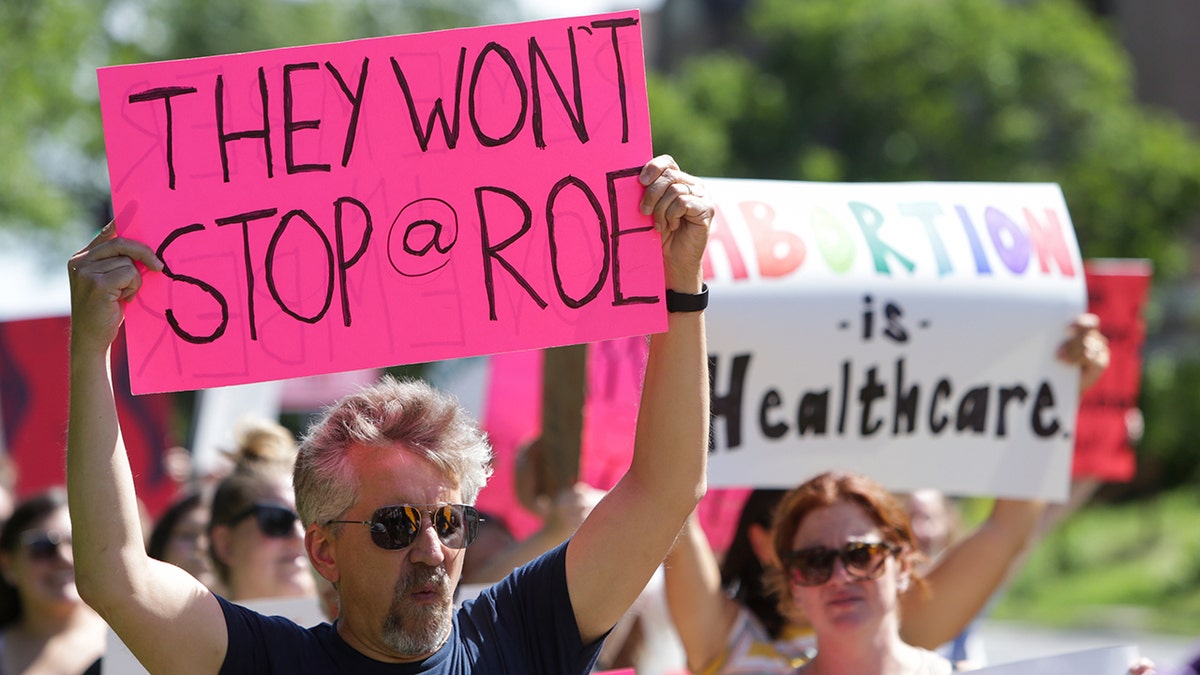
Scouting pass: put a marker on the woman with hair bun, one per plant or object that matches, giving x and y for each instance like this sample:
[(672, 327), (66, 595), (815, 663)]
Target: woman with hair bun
[(255, 538)]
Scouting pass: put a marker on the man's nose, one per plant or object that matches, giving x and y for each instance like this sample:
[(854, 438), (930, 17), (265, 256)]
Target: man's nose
[(427, 548)]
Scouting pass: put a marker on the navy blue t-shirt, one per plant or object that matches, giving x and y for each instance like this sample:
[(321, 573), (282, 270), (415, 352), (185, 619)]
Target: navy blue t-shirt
[(522, 625)]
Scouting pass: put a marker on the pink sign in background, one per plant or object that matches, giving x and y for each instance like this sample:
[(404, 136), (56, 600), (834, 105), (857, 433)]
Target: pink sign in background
[(512, 416), (385, 201)]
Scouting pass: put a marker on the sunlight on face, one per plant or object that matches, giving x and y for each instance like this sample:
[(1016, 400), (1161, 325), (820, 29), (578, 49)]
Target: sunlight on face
[(415, 618), (844, 602), (43, 567), (264, 566)]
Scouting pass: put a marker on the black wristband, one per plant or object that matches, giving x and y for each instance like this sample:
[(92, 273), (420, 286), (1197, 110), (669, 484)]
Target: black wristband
[(687, 302)]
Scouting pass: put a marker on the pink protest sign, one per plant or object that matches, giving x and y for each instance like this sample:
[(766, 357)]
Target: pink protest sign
[(512, 417), (385, 201)]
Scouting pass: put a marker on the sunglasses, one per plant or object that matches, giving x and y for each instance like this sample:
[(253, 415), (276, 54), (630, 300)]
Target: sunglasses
[(42, 545), (277, 522), (863, 561), (396, 527)]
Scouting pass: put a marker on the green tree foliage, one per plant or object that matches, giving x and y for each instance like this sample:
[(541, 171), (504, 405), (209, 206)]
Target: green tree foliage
[(47, 124), (945, 90), (960, 90), (51, 138), (190, 28), (1170, 399)]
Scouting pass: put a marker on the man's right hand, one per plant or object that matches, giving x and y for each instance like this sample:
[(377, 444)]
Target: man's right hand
[(103, 275)]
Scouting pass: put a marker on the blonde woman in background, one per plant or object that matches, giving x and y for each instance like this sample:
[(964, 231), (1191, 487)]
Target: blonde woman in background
[(255, 538)]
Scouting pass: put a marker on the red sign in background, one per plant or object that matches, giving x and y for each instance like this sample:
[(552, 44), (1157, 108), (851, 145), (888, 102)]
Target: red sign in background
[(33, 400), (1117, 293)]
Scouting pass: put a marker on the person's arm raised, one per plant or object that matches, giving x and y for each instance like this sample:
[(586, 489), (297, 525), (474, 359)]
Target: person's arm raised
[(616, 550), (965, 577), (167, 618), (561, 517), (703, 613)]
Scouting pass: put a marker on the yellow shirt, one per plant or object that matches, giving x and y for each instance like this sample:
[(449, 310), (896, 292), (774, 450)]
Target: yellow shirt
[(752, 651)]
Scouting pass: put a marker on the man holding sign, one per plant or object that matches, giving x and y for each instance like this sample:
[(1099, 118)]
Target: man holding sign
[(395, 576)]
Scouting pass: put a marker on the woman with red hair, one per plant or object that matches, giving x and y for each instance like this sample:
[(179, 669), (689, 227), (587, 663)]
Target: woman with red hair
[(847, 553)]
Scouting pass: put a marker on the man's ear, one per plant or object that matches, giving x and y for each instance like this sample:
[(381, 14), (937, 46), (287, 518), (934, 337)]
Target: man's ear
[(764, 548), (322, 552)]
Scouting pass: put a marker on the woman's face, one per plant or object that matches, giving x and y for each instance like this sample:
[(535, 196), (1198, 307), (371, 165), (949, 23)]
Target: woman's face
[(265, 552), (848, 600), (42, 568), (187, 546)]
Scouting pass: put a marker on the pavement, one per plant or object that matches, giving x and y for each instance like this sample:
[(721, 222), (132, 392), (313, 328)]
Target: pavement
[(1006, 641)]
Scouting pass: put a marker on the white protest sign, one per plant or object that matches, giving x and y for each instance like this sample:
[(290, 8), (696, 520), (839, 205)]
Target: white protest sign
[(904, 330), (1102, 661)]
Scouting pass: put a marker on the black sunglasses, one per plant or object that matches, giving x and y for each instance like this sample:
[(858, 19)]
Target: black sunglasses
[(863, 561), (41, 545), (273, 520), (398, 526)]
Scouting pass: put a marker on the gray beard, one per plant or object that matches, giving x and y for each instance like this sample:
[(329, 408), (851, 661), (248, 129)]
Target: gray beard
[(414, 630)]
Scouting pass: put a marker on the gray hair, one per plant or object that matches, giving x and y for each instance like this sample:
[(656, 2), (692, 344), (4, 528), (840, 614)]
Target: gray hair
[(408, 415)]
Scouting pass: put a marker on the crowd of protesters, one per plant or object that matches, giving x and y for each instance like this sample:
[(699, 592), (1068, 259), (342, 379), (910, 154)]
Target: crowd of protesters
[(370, 515)]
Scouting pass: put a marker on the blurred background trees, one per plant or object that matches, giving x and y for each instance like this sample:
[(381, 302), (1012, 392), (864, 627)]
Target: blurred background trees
[(954, 90), (964, 90), (829, 90), (52, 141)]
